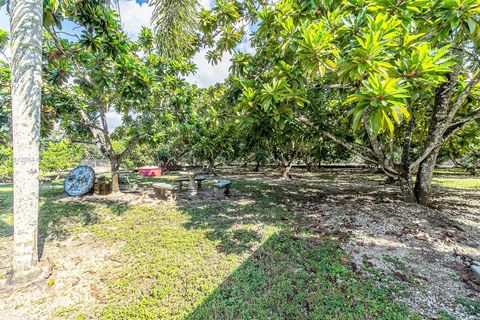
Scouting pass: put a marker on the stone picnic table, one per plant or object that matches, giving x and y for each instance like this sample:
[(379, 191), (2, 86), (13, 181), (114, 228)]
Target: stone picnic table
[(192, 175)]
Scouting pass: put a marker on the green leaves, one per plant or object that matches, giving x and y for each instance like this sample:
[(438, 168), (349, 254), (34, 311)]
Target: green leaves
[(370, 52), (457, 20), (3, 39), (176, 24), (425, 65), (315, 49), (385, 99)]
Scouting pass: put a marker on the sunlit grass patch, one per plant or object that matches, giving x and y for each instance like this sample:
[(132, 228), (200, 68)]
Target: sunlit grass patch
[(458, 183), (211, 262), (291, 277), (167, 268)]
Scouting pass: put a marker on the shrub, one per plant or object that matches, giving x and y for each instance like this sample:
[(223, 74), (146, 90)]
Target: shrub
[(56, 156), (6, 162)]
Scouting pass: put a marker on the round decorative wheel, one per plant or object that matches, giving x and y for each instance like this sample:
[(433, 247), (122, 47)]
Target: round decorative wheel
[(79, 181)]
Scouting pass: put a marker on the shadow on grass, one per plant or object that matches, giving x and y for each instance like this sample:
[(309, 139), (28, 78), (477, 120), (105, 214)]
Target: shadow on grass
[(55, 218), (297, 278), (235, 223)]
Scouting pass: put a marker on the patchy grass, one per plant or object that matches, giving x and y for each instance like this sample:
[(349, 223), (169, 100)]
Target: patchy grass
[(458, 183), (166, 269), (472, 307), (292, 277), (451, 171), (55, 218), (246, 258), (6, 202), (242, 259), (210, 263)]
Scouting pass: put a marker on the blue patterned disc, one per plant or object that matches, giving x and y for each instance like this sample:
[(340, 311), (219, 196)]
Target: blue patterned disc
[(79, 181)]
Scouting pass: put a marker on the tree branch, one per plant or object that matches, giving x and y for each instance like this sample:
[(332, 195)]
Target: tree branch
[(463, 96), (461, 123), (130, 146)]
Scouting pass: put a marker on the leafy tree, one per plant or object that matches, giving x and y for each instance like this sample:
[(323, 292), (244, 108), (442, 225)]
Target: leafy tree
[(215, 127), (60, 155), (6, 162), (176, 25), (410, 72), (130, 80)]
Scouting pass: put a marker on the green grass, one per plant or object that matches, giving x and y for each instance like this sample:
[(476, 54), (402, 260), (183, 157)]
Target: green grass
[(6, 202), (244, 259), (55, 219), (457, 183), (297, 278), (452, 171), (199, 264), (443, 315), (472, 307)]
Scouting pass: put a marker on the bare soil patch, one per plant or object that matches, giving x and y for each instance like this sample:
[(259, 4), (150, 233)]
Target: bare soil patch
[(76, 278), (426, 250)]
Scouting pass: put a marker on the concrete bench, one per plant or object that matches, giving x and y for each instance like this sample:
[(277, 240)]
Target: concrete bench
[(181, 180), (222, 188), (165, 191), (198, 180)]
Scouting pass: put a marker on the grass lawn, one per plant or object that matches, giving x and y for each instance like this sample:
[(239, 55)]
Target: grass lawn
[(182, 262), (464, 183), (245, 259)]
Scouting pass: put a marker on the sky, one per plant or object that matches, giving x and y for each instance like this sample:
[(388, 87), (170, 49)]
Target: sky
[(137, 13), (134, 15)]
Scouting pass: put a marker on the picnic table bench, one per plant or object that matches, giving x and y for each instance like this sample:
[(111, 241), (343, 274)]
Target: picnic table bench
[(165, 191), (222, 188)]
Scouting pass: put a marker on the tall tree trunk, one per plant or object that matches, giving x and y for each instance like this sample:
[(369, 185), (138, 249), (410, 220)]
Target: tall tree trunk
[(438, 123), (285, 169), (407, 186), (424, 177), (211, 165), (26, 91), (115, 166)]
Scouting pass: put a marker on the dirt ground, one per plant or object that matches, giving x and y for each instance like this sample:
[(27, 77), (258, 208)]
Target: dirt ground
[(427, 251), (74, 280)]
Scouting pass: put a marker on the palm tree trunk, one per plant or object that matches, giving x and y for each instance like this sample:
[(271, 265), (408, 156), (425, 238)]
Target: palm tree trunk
[(26, 81)]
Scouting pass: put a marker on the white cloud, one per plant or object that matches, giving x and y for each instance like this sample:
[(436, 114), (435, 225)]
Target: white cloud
[(134, 16), (207, 4), (208, 74), (114, 120)]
